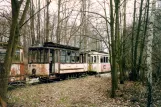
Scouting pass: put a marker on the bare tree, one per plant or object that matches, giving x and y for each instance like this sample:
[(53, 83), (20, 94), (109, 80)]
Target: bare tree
[(12, 44)]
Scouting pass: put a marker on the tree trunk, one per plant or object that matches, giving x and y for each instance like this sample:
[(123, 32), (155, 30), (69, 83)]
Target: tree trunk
[(132, 44), (47, 22), (12, 43), (149, 56), (122, 73), (32, 23), (144, 36), (135, 73), (58, 24), (113, 66), (117, 41)]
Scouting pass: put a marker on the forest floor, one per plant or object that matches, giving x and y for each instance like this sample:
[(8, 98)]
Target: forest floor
[(88, 91)]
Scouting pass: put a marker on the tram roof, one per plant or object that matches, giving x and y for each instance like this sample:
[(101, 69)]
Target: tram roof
[(55, 45), (95, 52)]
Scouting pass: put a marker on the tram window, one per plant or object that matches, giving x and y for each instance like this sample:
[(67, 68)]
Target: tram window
[(34, 56), (107, 59), (63, 56), (38, 56), (104, 59), (84, 58), (41, 56), (77, 57), (81, 58), (73, 57), (91, 59), (46, 55), (97, 59), (68, 58), (101, 59), (56, 56), (94, 59)]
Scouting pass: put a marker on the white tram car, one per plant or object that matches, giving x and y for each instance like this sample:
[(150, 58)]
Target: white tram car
[(55, 60), (98, 62)]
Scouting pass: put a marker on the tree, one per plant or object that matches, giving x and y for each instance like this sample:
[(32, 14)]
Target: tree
[(58, 24), (122, 69), (149, 54), (47, 21), (12, 44), (113, 49), (32, 23)]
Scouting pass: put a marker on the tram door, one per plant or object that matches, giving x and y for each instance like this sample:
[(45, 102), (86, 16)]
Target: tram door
[(51, 61)]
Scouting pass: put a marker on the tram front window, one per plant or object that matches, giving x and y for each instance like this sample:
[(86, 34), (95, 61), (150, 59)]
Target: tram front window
[(38, 56)]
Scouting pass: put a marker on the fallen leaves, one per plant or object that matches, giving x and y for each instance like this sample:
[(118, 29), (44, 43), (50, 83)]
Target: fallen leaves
[(90, 91)]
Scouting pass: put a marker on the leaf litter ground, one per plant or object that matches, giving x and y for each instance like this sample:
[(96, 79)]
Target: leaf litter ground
[(89, 91)]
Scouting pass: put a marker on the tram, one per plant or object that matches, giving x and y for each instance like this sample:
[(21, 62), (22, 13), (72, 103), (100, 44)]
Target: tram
[(53, 60), (17, 72), (98, 62)]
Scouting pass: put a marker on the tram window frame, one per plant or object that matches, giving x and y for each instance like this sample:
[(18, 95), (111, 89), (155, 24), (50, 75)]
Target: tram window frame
[(101, 59), (33, 56), (63, 54), (56, 55), (95, 59), (46, 55), (84, 58), (81, 58), (106, 59), (42, 56), (38, 56), (68, 56), (91, 59), (73, 54), (77, 59)]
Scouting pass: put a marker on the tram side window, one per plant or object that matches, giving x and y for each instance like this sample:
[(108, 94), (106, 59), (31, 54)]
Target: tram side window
[(42, 56), (94, 59), (56, 56), (68, 59), (104, 59), (73, 57), (91, 59), (34, 56), (46, 55), (38, 56), (77, 57), (101, 59), (63, 56)]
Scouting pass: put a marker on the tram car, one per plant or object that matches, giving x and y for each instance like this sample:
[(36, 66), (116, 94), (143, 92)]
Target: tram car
[(17, 72), (53, 60), (98, 62)]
